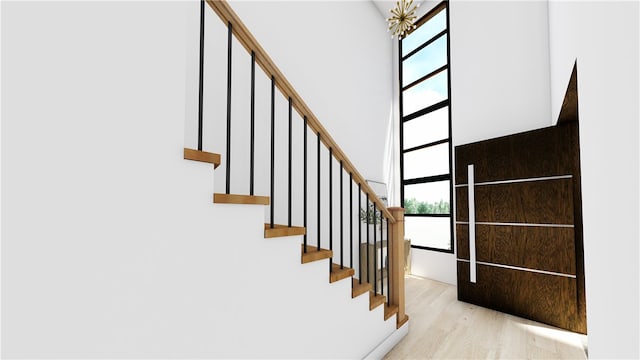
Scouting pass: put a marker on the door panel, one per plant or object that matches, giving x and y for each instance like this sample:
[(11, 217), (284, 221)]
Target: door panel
[(549, 151), (527, 226), (535, 202), (538, 248), (545, 298)]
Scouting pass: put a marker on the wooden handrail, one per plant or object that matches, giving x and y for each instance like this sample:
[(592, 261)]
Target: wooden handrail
[(227, 15)]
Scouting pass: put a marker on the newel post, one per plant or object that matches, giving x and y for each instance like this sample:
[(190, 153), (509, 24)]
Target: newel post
[(396, 259)]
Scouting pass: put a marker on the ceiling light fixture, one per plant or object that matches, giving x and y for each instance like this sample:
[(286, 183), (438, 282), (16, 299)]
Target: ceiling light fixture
[(402, 18)]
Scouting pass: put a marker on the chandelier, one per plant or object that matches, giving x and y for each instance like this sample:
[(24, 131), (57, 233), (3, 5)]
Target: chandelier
[(402, 18)]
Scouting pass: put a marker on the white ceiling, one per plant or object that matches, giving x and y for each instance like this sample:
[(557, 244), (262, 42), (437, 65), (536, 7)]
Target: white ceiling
[(385, 5)]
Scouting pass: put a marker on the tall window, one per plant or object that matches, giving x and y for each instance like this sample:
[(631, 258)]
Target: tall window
[(425, 132)]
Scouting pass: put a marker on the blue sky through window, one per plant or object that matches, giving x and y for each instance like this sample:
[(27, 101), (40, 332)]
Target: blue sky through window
[(426, 93), (425, 61), (424, 32)]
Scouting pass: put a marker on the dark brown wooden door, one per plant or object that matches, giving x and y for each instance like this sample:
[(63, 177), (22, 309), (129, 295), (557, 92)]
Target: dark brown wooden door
[(519, 246)]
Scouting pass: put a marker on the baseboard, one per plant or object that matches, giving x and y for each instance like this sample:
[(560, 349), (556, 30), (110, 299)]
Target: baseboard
[(381, 350)]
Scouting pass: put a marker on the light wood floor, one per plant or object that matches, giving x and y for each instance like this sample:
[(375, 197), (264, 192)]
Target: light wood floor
[(441, 327)]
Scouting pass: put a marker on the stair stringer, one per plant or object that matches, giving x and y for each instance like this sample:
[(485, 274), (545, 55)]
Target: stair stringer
[(274, 306)]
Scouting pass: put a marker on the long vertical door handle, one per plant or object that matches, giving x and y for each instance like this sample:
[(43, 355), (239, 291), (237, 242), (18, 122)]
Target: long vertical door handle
[(472, 224)]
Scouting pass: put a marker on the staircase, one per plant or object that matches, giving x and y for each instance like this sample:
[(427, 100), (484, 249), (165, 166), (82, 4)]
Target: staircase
[(323, 250)]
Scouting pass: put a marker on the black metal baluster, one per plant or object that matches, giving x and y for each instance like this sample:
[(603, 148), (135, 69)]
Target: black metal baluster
[(330, 206), (367, 251), (389, 252), (201, 79), (253, 121), (375, 253), (359, 233), (351, 220), (318, 191), (230, 37), (273, 146), (341, 220), (381, 256), (304, 181), (289, 201)]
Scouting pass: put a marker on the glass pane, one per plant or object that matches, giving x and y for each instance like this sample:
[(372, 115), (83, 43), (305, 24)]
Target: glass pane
[(427, 198), (425, 32), (425, 61), (427, 128), (433, 160), (433, 232), (425, 94)]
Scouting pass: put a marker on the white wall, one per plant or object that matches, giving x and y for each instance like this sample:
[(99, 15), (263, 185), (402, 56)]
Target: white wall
[(111, 246), (339, 65), (343, 73), (499, 68), (603, 37), (499, 84), (434, 265)]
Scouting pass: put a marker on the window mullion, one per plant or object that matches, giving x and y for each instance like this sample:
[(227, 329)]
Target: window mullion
[(423, 192)]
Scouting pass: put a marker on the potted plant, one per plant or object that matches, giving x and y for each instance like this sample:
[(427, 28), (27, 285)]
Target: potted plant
[(374, 215)]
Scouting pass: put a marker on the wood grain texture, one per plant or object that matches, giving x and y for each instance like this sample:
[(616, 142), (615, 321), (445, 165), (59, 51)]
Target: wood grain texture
[(540, 248), (545, 298), (574, 140), (537, 153), (402, 321), (203, 156), (313, 254), (569, 109), (240, 199), (358, 288), (550, 151), (375, 300), (282, 230), (389, 311), (396, 264), (536, 202), (338, 274), (224, 10)]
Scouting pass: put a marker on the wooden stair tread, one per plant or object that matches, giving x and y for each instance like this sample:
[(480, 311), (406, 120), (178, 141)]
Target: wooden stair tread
[(203, 156), (338, 274), (313, 254), (240, 199), (358, 289), (389, 311), (375, 300), (283, 230), (401, 322)]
